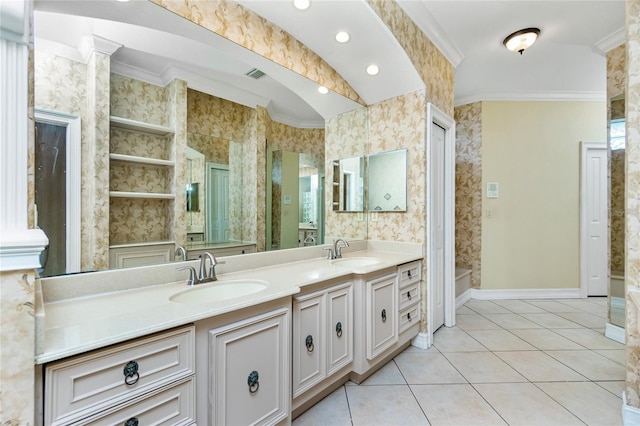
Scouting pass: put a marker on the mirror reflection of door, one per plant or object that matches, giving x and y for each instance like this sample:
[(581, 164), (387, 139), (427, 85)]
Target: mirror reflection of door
[(217, 202), (50, 194)]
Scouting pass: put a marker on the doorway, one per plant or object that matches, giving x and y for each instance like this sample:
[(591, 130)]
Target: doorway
[(217, 225), (593, 220), (57, 190), (440, 243)]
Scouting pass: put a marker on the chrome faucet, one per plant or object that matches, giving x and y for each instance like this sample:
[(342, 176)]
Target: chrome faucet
[(204, 276), (180, 251), (193, 279), (335, 252)]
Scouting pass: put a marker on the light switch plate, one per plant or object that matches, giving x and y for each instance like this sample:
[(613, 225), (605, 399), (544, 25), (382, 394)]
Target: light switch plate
[(492, 190)]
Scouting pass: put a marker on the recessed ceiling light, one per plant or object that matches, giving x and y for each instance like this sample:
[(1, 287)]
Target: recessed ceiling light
[(373, 69), (323, 90), (342, 37), (302, 4)]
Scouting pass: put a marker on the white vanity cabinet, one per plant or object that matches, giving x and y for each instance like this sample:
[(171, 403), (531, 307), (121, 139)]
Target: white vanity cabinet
[(409, 296), (249, 371), (147, 380), (381, 308), (322, 335)]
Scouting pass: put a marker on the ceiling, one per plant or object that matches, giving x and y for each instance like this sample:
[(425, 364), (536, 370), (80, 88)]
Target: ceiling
[(566, 63)]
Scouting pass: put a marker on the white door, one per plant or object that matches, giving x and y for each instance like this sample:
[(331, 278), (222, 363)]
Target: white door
[(217, 204), (437, 234), (593, 217)]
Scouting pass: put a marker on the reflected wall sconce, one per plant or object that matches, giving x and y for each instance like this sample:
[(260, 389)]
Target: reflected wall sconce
[(521, 40)]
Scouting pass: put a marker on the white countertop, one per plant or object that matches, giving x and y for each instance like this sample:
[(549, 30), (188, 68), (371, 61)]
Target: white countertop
[(72, 326)]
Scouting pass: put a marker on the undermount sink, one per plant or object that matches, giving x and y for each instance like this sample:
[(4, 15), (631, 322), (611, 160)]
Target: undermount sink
[(215, 292), (353, 262)]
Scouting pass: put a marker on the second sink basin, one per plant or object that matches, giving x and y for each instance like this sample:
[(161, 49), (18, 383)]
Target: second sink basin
[(354, 262), (217, 291)]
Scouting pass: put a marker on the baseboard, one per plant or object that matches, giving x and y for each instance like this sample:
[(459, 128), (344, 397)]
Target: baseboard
[(528, 293), (614, 332), (464, 298), (421, 341), (630, 415)]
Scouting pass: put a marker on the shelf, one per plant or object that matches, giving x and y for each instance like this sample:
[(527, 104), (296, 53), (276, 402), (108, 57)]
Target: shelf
[(142, 244), (153, 195), (139, 126), (142, 160)]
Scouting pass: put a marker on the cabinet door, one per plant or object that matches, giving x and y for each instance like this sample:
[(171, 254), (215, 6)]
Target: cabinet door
[(382, 312), (249, 371), (309, 349), (339, 328)]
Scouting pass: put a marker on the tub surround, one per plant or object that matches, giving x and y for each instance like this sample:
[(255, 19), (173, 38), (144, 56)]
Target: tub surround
[(78, 313)]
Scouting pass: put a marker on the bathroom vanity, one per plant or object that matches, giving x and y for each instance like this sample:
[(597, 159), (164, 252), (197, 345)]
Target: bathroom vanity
[(258, 346)]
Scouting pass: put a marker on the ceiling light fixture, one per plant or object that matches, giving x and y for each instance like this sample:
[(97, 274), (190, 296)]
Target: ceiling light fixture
[(342, 37), (521, 40), (373, 69), (302, 4), (323, 90)]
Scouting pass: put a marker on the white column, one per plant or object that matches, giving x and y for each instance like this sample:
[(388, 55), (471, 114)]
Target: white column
[(20, 247)]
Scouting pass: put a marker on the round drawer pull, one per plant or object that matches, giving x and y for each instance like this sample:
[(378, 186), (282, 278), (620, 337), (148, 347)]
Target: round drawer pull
[(384, 315), (253, 382), (131, 422), (131, 375), (339, 329), (309, 343)]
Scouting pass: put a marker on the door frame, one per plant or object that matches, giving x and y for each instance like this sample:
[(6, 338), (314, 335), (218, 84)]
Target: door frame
[(435, 115), (585, 147), (73, 181)]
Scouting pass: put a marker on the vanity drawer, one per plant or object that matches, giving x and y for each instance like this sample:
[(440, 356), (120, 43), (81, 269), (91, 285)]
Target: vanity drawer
[(409, 317), (409, 274), (409, 295), (174, 405), (83, 385)]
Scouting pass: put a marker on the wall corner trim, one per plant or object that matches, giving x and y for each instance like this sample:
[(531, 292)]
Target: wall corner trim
[(20, 249), (630, 415)]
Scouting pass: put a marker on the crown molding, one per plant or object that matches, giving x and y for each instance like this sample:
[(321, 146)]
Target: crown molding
[(532, 96), (94, 43), (611, 41), (433, 30)]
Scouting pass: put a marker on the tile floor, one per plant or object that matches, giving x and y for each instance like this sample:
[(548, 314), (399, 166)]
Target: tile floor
[(507, 362)]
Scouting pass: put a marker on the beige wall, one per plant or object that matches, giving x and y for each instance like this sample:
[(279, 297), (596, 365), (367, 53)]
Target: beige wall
[(532, 149)]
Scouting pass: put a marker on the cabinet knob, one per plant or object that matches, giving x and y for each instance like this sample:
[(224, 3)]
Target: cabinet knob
[(384, 315), (131, 375), (409, 295), (309, 343), (409, 316), (409, 273), (253, 382), (131, 422), (339, 329)]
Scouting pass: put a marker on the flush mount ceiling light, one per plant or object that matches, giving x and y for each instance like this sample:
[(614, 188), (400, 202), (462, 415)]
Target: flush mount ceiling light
[(302, 4), (373, 69), (342, 37), (521, 40), (323, 90)]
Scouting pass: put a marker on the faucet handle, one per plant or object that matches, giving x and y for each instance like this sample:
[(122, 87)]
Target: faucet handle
[(192, 274), (330, 254)]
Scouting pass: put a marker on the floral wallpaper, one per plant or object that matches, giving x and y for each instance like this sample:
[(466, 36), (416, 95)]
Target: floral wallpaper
[(138, 100), (469, 189), (233, 22), (616, 81), (436, 71), (17, 340), (632, 262), (345, 136)]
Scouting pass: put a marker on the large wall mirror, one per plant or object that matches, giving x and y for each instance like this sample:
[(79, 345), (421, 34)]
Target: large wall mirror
[(387, 181), (617, 141), (219, 153)]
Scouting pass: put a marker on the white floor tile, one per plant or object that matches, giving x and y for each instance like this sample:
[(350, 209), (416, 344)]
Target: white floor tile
[(615, 387), (544, 339), (553, 306), (519, 306), (584, 319), (524, 404), (550, 320), (456, 341), (485, 307), (537, 366), (590, 364), (617, 355), (424, 369), (483, 367), (475, 322), (387, 375), (500, 340), (590, 339), (384, 406), (332, 410), (511, 321), (442, 405)]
